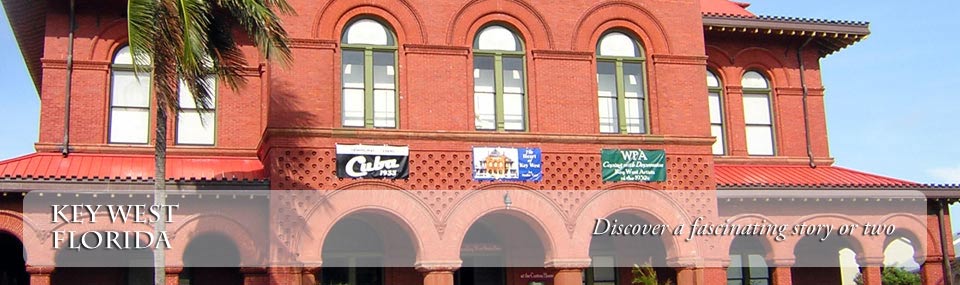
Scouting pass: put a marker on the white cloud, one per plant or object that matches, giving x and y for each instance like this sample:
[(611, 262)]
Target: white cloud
[(946, 174)]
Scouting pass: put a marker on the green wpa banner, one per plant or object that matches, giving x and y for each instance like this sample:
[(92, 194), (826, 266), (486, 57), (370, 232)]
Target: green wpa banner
[(634, 165)]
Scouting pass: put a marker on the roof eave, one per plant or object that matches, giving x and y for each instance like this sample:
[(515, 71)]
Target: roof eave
[(26, 17), (831, 35)]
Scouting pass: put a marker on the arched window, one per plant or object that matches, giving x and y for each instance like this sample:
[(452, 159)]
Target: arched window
[(369, 75), (748, 264), (757, 114), (129, 101), (620, 84), (714, 91), (499, 84)]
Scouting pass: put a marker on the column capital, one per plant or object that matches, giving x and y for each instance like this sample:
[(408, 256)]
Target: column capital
[(173, 270), (432, 266), (577, 263), (253, 270), (783, 262), (35, 270)]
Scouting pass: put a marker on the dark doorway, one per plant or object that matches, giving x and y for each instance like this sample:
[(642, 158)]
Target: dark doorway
[(13, 269)]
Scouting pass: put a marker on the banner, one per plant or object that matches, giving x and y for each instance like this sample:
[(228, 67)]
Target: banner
[(507, 164), (635, 165), (376, 162)]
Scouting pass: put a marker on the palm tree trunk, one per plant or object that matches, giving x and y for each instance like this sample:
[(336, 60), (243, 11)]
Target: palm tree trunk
[(160, 189)]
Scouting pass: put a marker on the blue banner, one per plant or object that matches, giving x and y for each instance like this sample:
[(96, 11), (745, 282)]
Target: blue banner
[(507, 164)]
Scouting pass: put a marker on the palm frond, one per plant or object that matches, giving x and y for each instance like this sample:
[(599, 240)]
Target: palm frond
[(263, 27), (168, 47), (142, 33), (228, 59)]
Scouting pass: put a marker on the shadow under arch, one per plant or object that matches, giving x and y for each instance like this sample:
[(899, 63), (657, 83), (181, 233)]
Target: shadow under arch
[(497, 245), (820, 261), (363, 245), (105, 266), (13, 266), (641, 243), (211, 258)]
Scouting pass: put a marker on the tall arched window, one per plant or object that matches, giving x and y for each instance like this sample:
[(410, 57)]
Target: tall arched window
[(129, 101), (714, 91), (620, 84), (757, 114), (499, 84), (369, 75)]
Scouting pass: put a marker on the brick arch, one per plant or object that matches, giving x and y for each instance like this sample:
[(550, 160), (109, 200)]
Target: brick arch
[(863, 247), (12, 223), (475, 14), (772, 252), (399, 15), (764, 61), (655, 206), (111, 38), (400, 207), (536, 210), (718, 57), (917, 231), (242, 238), (625, 15)]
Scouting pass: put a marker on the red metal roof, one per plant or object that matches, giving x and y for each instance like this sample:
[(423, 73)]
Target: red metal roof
[(801, 175), (725, 7), (130, 167)]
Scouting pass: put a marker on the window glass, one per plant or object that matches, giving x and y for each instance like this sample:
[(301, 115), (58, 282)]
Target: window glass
[(753, 79), (716, 122), (129, 125), (756, 108), (497, 38), (759, 140), (484, 93), (513, 90), (353, 88), (633, 92), (384, 93), (129, 101), (368, 32), (195, 126), (607, 91), (130, 91), (618, 44), (604, 271), (712, 79)]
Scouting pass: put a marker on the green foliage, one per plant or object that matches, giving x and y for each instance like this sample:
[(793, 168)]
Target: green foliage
[(645, 275), (894, 276)]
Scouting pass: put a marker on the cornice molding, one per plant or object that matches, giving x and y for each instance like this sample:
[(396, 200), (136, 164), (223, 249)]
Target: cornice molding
[(305, 43), (562, 55), (436, 49), (49, 63), (679, 59)]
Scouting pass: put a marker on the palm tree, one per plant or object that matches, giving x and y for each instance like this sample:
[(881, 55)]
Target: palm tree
[(188, 40)]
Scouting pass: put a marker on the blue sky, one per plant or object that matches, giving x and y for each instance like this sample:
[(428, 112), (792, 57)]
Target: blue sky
[(892, 100)]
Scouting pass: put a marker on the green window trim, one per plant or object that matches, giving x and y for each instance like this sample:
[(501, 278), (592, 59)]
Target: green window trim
[(368, 84), (718, 90), (500, 115), (749, 274), (114, 67), (622, 123)]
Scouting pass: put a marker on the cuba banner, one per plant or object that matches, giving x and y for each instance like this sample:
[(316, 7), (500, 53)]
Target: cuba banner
[(375, 162), (507, 164), (634, 165)]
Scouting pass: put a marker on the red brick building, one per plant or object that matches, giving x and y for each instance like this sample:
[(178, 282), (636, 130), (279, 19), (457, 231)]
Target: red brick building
[(569, 79)]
